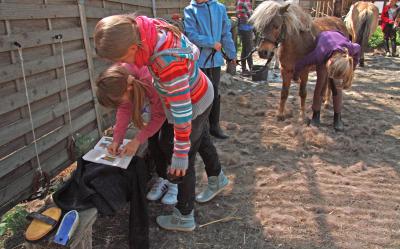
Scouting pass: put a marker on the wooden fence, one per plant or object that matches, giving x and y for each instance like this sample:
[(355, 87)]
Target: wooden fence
[(326, 7), (34, 24)]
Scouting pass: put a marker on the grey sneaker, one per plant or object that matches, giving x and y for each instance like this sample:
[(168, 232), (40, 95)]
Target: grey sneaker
[(215, 185), (177, 222)]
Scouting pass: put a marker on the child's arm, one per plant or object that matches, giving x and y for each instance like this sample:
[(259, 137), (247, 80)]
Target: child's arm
[(227, 41), (122, 120), (174, 78), (157, 116), (310, 59), (355, 53)]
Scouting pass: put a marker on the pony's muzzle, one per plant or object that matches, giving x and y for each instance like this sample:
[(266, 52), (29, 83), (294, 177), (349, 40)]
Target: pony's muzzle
[(265, 54)]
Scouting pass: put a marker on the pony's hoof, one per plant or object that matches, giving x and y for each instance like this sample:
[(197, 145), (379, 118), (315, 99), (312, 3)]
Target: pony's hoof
[(280, 117), (302, 120), (326, 105)]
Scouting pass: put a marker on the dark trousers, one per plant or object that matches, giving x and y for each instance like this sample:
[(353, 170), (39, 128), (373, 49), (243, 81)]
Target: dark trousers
[(390, 34), (214, 74), (320, 88), (247, 46), (157, 155), (138, 214), (200, 142)]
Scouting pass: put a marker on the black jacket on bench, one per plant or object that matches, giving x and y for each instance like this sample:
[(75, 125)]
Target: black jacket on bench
[(108, 189)]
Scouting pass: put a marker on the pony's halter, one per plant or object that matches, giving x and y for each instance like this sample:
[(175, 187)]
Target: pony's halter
[(279, 40)]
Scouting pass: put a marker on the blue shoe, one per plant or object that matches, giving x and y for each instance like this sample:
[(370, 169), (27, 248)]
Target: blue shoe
[(67, 228), (177, 222), (215, 185)]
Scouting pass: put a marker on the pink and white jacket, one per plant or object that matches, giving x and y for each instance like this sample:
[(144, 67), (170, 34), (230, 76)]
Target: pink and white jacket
[(124, 111)]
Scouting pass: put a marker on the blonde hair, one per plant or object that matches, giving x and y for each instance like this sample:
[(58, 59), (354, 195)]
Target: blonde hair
[(341, 67), (112, 83), (114, 35)]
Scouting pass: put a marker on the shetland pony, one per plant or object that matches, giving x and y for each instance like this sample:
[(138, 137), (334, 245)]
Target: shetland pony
[(361, 22), (287, 27)]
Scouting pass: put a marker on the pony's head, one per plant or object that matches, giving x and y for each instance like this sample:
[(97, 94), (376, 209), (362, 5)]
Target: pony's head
[(274, 21)]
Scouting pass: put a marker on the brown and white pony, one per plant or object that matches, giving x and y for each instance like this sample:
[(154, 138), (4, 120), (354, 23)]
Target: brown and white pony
[(293, 31), (361, 22)]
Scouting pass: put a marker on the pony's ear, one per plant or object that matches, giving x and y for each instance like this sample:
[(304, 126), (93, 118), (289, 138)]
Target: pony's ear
[(284, 9)]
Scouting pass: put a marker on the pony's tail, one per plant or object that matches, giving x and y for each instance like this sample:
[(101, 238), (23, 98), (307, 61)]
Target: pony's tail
[(364, 31)]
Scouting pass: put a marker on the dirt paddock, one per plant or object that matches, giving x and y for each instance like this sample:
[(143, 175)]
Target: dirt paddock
[(293, 186)]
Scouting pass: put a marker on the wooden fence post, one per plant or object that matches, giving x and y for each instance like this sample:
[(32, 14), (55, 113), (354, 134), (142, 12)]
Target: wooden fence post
[(337, 8), (86, 40), (153, 5)]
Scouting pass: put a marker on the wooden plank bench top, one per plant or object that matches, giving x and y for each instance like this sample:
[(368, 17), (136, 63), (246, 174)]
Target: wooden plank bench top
[(81, 239)]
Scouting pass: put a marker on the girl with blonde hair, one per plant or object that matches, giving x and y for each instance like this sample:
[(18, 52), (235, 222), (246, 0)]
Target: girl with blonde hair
[(129, 89), (186, 93), (335, 57)]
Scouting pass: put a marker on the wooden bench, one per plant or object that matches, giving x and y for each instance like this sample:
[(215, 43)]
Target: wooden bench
[(81, 239)]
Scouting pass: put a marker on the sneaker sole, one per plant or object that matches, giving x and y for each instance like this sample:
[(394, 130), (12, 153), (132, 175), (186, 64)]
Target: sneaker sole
[(179, 229), (215, 194), (190, 229), (168, 203)]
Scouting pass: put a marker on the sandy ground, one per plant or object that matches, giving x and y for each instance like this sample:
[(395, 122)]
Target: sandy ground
[(293, 186)]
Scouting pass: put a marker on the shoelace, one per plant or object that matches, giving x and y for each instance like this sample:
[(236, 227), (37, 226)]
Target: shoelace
[(159, 186)]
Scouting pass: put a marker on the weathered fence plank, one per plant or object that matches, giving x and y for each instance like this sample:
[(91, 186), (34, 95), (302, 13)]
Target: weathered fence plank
[(141, 3), (23, 155), (88, 50), (42, 117), (37, 92), (95, 12), (38, 38), (13, 71), (12, 11)]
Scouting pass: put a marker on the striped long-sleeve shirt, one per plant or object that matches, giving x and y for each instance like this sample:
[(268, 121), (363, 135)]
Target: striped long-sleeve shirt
[(185, 91)]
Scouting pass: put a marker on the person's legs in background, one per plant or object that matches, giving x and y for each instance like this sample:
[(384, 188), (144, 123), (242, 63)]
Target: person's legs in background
[(214, 74), (247, 47)]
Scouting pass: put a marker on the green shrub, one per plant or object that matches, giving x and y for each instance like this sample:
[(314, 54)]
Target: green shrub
[(376, 40), (14, 220)]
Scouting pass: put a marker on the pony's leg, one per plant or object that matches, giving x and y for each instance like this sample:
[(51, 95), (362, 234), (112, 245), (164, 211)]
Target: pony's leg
[(286, 79), (361, 57), (303, 95)]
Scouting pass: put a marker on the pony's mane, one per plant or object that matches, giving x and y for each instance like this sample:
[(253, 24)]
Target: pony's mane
[(296, 19)]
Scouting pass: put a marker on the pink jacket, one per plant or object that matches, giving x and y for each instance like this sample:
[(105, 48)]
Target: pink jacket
[(124, 111)]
